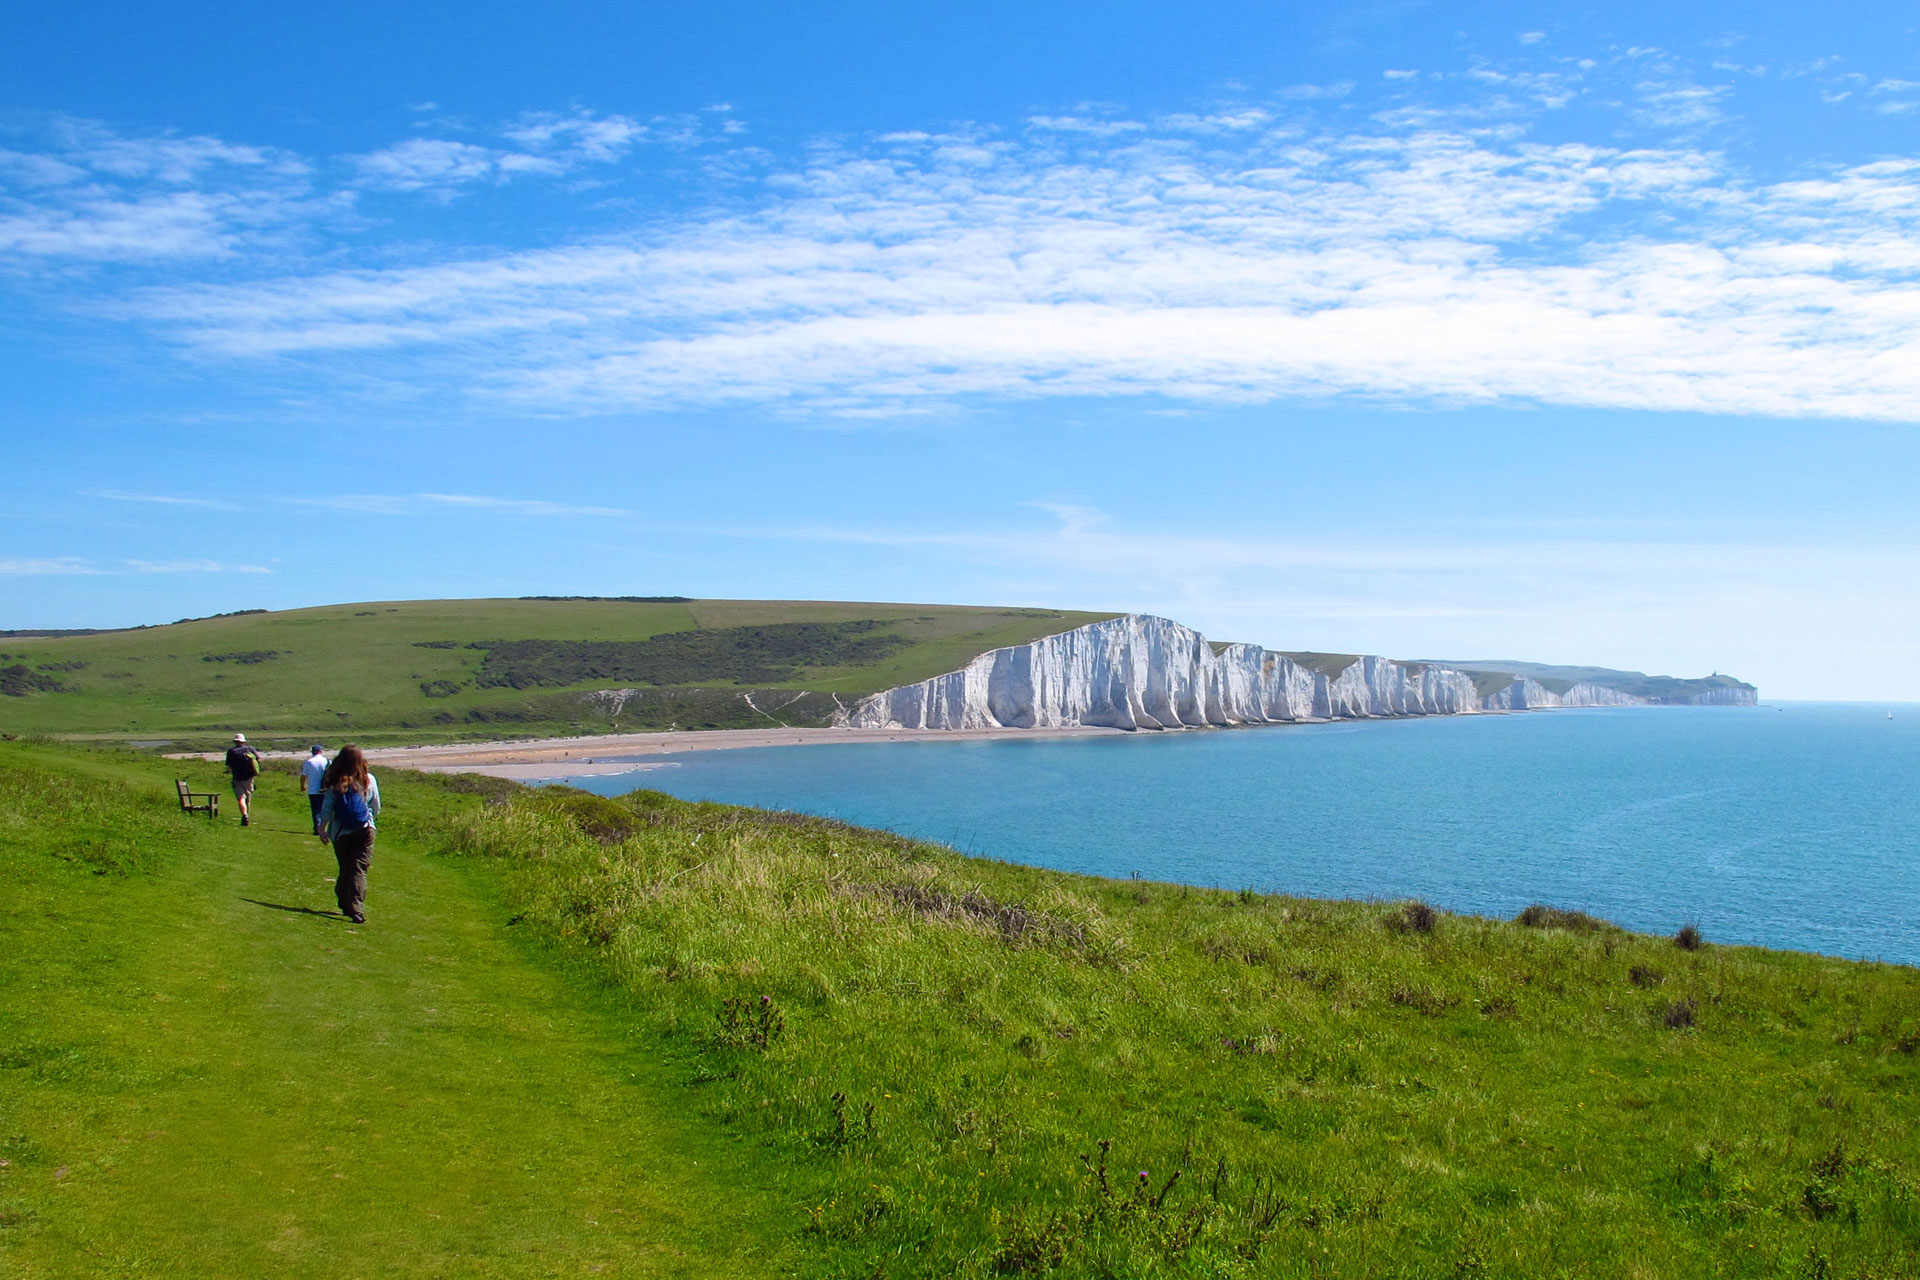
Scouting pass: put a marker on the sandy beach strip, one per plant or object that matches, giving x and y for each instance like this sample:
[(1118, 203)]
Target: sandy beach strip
[(612, 753)]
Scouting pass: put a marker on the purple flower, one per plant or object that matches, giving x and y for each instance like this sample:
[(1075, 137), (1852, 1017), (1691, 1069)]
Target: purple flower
[(1143, 1175)]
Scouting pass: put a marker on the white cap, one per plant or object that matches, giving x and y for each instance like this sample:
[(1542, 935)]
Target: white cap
[(239, 737)]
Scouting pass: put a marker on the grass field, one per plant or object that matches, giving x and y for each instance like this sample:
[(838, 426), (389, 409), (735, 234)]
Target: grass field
[(404, 670), (588, 1036)]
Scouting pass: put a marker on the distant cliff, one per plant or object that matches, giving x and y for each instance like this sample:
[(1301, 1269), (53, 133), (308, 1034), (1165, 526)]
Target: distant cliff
[(1140, 672)]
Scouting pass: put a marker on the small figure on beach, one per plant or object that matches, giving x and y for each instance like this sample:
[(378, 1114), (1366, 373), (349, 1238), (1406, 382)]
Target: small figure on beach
[(313, 771), (349, 802), (243, 762)]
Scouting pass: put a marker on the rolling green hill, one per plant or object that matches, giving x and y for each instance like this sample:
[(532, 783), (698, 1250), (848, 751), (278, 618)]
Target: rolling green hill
[(427, 670)]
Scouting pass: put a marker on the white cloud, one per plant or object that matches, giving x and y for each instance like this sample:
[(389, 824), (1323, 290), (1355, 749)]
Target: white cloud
[(428, 162), (46, 566), (1308, 92), (193, 566), (422, 503), (1417, 264), (1680, 104), (1430, 253), (98, 196), (80, 566), (518, 506), (158, 499), (579, 138), (542, 144)]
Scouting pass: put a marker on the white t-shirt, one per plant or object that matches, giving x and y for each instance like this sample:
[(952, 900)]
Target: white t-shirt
[(314, 769)]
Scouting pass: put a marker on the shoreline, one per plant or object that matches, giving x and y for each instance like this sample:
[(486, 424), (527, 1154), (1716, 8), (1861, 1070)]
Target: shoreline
[(602, 755), (589, 756)]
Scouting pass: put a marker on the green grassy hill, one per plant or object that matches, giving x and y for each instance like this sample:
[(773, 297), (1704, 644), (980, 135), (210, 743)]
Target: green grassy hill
[(644, 1037), (443, 669)]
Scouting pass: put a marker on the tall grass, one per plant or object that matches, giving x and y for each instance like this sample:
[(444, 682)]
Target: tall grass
[(111, 827), (1008, 1071)]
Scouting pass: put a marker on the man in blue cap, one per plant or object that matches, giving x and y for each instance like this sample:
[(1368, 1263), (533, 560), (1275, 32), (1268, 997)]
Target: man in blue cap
[(314, 770)]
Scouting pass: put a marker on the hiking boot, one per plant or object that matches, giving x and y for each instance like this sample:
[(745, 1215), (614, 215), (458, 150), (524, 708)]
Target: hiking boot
[(245, 821)]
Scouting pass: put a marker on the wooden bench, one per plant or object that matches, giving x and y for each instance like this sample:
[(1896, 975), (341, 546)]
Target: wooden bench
[(206, 802)]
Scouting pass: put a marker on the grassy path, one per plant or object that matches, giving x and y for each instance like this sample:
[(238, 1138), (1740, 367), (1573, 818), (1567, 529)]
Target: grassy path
[(202, 1075)]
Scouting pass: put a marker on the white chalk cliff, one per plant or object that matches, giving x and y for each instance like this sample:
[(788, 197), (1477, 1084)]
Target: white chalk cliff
[(1141, 672)]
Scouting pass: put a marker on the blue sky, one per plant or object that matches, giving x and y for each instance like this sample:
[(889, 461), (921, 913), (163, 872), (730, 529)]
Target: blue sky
[(1430, 330)]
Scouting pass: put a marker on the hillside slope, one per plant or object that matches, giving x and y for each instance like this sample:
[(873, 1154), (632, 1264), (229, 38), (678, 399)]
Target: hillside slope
[(440, 669), (646, 1037)]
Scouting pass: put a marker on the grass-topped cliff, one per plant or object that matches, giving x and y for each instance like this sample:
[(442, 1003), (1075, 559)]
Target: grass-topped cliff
[(439, 669), (1491, 676), (645, 1037)]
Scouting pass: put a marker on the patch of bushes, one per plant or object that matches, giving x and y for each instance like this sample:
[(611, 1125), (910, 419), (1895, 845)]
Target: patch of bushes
[(19, 680), (246, 658), (1014, 922), (620, 599), (1413, 917), (235, 613), (439, 688), (1422, 1000), (740, 655), (1541, 916), (751, 1024), (1688, 938)]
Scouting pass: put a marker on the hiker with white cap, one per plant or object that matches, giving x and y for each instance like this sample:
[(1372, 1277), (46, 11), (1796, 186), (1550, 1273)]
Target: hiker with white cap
[(243, 762), (314, 770)]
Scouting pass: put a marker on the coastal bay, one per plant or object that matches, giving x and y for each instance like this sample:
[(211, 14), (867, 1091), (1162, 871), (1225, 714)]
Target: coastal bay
[(1785, 826)]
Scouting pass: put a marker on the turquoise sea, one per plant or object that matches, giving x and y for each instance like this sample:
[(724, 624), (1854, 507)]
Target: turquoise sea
[(1793, 825)]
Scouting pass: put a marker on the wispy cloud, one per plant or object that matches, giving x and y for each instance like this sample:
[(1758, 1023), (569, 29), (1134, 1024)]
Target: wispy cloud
[(91, 194), (158, 499), (46, 566), (423, 503), (536, 145), (1433, 252), (193, 566), (54, 566), (1420, 264)]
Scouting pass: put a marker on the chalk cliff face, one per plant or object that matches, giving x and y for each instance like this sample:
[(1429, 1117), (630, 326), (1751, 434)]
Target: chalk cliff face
[(1526, 693), (1722, 698), (1140, 672)]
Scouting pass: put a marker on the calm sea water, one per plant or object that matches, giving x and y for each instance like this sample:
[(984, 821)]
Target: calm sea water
[(1794, 825)]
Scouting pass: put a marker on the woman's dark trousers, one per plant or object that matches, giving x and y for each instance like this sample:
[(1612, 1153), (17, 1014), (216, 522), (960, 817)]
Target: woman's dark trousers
[(354, 852)]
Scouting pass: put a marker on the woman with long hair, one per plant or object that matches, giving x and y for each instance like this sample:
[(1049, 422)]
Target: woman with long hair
[(350, 799)]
